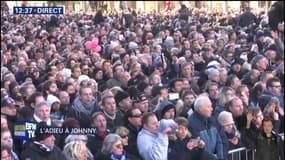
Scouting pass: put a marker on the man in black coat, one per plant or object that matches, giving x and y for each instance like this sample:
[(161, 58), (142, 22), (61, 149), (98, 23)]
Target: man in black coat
[(43, 147)]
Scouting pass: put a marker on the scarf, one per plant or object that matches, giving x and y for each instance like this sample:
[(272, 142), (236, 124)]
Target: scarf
[(118, 156), (81, 107)]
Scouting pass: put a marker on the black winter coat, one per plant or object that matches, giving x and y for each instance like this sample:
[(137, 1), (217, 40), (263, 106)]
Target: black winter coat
[(267, 148), (37, 152)]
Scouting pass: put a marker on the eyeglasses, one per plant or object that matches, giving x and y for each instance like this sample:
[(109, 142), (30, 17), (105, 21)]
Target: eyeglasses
[(124, 136), (119, 146)]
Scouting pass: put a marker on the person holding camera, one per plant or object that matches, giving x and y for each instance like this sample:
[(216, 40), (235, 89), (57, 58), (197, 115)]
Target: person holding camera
[(229, 134), (186, 146), (152, 140), (201, 123)]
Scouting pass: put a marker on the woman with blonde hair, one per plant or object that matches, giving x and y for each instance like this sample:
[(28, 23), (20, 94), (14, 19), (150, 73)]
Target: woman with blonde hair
[(77, 150)]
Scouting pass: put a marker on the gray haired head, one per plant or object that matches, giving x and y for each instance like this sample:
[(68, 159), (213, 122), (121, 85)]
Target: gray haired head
[(108, 143), (200, 101)]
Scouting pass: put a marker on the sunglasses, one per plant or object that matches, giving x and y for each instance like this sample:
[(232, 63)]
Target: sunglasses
[(124, 136)]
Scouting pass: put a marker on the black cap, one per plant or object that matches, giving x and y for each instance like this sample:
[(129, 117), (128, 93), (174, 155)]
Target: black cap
[(237, 61), (121, 95), (139, 98)]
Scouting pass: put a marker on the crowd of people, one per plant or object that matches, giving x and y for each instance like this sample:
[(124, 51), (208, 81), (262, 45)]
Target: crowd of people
[(193, 85)]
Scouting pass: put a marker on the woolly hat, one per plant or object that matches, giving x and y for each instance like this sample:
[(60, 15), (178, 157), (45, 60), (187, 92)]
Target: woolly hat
[(225, 118), (51, 99), (259, 34), (164, 106), (139, 97), (121, 95), (237, 61)]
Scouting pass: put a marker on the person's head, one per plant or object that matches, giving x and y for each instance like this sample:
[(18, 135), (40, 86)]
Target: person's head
[(123, 132), (76, 137), (112, 144), (212, 88), (273, 85), (235, 106), (106, 66), (109, 105), (35, 98), (76, 71), (6, 138), (167, 110), (98, 120), (27, 89), (243, 93), (86, 95), (186, 70), (64, 97), (141, 102), (213, 74), (203, 106), (225, 94), (150, 122), (260, 63), (176, 85), (43, 138), (155, 79), (183, 130), (271, 107), (77, 150), (265, 76), (50, 87), (6, 153), (267, 125), (257, 116), (84, 68), (223, 75), (118, 70), (226, 120), (188, 98), (233, 81), (134, 117), (123, 100), (42, 111)]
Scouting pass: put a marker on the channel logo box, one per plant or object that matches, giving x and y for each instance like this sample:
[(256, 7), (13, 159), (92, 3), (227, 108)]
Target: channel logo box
[(24, 130)]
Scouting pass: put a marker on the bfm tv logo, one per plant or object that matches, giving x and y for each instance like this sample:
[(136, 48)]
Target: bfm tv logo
[(25, 130)]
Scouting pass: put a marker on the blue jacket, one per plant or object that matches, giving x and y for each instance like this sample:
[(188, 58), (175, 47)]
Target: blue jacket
[(207, 131), (152, 146)]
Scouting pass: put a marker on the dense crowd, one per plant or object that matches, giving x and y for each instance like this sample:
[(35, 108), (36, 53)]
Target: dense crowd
[(191, 85)]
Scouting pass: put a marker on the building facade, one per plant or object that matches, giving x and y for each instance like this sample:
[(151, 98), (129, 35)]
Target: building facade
[(90, 7)]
